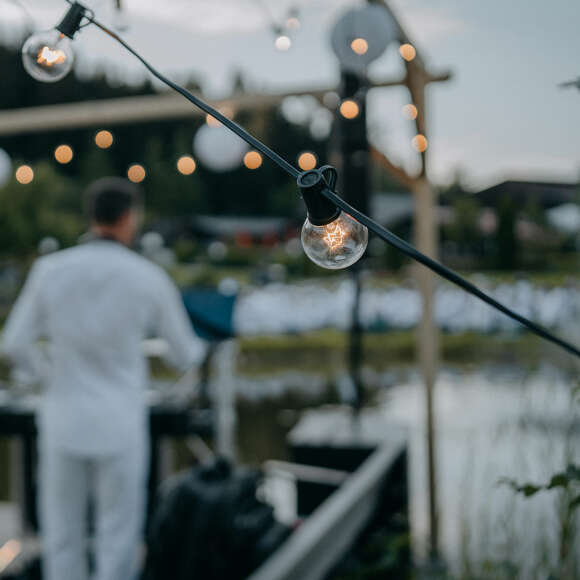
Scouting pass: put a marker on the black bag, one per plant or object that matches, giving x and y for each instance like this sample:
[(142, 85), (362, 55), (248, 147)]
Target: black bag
[(208, 524)]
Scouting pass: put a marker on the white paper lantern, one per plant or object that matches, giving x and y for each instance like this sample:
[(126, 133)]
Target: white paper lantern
[(218, 148), (372, 24), (5, 168)]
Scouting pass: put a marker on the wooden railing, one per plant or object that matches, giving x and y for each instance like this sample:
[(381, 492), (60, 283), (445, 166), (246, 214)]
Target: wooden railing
[(326, 536)]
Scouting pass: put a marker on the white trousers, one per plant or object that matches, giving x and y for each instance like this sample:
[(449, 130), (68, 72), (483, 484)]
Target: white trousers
[(117, 485)]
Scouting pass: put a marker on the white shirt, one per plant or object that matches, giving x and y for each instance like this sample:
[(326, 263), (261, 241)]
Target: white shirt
[(95, 304)]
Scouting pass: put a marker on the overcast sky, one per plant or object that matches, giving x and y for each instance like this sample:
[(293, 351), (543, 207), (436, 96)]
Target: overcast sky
[(501, 116)]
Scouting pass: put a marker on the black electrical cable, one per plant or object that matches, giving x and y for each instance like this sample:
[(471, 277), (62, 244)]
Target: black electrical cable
[(379, 230), (443, 271), (237, 129)]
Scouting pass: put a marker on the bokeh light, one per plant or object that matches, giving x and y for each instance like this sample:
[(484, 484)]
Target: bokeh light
[(407, 51), (307, 161), (104, 139), (420, 143), (410, 111), (349, 109), (359, 46), (186, 165), (283, 43), (293, 23), (252, 160), (136, 173), (225, 111), (24, 174), (63, 154)]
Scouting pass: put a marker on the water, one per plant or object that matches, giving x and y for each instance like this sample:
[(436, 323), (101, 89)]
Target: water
[(493, 421)]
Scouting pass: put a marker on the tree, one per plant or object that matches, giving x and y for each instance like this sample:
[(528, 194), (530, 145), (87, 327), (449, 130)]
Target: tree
[(49, 206)]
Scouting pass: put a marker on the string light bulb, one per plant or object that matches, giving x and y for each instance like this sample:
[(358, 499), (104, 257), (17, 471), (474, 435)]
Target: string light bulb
[(186, 165), (283, 41), (349, 109), (410, 111), (407, 51), (252, 160), (330, 237), (63, 154), (293, 20), (48, 56), (359, 46), (420, 143), (136, 173), (307, 161), (293, 23), (24, 174), (104, 139)]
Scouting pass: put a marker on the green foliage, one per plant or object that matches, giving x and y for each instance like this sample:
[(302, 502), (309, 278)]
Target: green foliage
[(464, 229), (507, 250), (49, 206), (567, 480)]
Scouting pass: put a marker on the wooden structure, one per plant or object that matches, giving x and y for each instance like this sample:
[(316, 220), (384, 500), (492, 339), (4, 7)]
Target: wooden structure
[(426, 241), (164, 106), (378, 484)]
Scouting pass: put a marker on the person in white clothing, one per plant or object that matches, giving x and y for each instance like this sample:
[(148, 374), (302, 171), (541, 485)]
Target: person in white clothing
[(94, 304)]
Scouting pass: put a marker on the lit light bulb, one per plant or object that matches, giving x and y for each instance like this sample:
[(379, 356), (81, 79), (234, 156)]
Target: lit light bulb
[(349, 109), (293, 20), (104, 139), (307, 161), (136, 173), (359, 46), (336, 245), (283, 43), (63, 154), (48, 56), (420, 143), (293, 23), (186, 165), (253, 160), (407, 51), (410, 111), (331, 238)]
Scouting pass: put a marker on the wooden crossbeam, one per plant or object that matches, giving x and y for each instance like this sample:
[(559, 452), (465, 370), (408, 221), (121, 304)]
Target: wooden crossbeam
[(165, 106)]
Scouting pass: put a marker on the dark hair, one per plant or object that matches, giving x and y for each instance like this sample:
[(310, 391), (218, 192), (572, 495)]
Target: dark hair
[(107, 199)]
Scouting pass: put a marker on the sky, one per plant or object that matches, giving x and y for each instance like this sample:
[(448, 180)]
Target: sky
[(501, 116)]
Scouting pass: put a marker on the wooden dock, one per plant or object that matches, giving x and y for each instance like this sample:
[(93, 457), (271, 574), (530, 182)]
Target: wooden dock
[(375, 488)]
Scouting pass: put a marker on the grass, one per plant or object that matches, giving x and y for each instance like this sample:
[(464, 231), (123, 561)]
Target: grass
[(262, 354)]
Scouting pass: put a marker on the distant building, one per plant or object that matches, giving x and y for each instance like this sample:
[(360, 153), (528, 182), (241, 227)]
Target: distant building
[(247, 229), (523, 193)]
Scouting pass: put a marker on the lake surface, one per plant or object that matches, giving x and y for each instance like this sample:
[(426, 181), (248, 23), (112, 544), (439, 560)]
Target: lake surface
[(517, 420), (492, 421)]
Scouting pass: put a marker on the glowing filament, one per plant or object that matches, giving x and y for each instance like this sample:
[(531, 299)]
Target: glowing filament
[(49, 57), (334, 235)]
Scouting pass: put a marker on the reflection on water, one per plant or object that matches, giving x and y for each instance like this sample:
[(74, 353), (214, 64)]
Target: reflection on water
[(492, 422)]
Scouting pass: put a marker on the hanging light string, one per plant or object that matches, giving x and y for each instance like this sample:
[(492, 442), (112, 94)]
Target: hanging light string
[(443, 271), (232, 125), (382, 232)]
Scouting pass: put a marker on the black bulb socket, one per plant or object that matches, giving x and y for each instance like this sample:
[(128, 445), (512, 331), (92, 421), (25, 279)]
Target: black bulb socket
[(71, 22), (321, 211)]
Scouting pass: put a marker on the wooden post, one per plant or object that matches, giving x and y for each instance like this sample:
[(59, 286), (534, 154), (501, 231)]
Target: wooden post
[(428, 337), (426, 241)]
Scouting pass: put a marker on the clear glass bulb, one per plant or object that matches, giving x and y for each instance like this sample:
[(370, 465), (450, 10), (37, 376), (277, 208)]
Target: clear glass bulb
[(48, 56), (336, 245)]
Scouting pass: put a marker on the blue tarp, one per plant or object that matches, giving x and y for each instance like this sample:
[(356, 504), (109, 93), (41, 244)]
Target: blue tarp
[(210, 312)]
